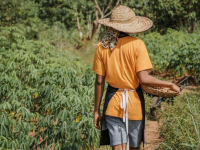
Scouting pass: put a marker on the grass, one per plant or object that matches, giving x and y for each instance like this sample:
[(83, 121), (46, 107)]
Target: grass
[(181, 123), (63, 39), (86, 55)]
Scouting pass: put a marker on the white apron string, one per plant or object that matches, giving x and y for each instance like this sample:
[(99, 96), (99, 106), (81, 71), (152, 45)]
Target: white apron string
[(124, 106)]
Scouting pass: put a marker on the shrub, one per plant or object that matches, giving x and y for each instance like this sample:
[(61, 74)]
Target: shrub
[(176, 52), (43, 94)]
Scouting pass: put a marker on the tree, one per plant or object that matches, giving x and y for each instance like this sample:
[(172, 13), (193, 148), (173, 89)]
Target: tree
[(16, 11)]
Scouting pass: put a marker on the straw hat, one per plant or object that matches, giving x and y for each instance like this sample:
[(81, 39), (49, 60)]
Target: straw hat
[(124, 19)]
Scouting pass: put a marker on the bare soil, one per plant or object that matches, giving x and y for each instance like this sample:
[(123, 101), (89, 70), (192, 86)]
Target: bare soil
[(151, 135)]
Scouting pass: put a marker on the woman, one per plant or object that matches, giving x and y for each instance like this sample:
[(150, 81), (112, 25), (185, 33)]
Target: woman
[(123, 62)]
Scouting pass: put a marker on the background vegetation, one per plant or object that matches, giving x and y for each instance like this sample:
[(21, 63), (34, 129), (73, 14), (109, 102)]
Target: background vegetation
[(46, 83)]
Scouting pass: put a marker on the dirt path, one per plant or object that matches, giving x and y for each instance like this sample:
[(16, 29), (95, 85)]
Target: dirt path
[(151, 135)]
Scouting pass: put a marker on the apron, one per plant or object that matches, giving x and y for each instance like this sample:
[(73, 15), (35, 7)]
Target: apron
[(105, 139)]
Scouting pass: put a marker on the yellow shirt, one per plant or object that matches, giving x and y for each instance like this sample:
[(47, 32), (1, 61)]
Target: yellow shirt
[(119, 68)]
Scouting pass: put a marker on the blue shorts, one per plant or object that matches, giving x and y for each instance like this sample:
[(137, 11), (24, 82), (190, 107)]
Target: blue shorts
[(117, 131)]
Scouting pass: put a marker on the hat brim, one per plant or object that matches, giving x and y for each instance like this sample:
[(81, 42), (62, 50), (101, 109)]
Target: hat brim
[(139, 24)]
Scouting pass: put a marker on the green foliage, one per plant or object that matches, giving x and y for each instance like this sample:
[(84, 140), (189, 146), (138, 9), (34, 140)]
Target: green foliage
[(59, 36), (43, 94), (66, 11), (180, 127), (15, 11), (164, 13), (175, 51), (168, 13)]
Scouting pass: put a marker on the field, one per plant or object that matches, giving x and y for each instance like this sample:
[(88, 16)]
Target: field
[(46, 82)]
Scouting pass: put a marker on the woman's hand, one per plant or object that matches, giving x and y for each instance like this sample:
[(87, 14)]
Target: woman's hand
[(97, 120), (174, 87)]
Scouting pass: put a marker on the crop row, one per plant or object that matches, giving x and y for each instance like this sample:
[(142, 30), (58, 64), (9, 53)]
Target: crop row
[(45, 99)]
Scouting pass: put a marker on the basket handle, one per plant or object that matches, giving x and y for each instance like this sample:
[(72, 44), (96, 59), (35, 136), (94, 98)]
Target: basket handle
[(184, 86)]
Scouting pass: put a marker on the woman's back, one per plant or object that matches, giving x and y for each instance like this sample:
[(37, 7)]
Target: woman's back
[(120, 65)]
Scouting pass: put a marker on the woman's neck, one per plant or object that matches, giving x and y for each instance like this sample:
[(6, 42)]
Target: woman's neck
[(123, 34)]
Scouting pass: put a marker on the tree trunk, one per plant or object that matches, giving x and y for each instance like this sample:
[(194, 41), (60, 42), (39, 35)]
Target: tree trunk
[(192, 25), (88, 34), (95, 24), (94, 29), (78, 25)]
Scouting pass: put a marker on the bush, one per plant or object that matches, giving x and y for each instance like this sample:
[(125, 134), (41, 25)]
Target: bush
[(176, 52), (43, 94)]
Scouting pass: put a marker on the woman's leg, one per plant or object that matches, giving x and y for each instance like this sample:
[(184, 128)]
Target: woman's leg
[(123, 147), (134, 148), (117, 132), (135, 134), (119, 147)]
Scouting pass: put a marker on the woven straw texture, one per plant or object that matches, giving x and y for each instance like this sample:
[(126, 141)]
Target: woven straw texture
[(124, 19), (162, 92)]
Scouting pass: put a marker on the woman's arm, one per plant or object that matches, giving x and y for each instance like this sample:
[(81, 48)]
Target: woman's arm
[(149, 80), (99, 87)]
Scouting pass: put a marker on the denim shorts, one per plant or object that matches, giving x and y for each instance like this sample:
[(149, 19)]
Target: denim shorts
[(117, 131)]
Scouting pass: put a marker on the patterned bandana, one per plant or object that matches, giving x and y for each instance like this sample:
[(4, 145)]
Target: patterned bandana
[(110, 38)]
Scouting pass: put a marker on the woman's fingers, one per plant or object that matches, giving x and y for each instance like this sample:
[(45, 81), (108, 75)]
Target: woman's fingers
[(97, 121), (176, 88), (97, 125)]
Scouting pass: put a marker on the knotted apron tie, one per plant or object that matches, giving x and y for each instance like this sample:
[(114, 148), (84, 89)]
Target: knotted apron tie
[(124, 106)]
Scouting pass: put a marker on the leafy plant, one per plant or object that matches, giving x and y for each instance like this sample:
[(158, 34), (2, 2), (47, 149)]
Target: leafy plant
[(45, 100), (176, 52)]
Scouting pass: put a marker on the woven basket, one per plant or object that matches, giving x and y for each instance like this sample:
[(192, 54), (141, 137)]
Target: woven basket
[(162, 92)]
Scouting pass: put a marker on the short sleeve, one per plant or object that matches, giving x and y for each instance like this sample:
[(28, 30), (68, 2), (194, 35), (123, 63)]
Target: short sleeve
[(98, 65), (143, 61)]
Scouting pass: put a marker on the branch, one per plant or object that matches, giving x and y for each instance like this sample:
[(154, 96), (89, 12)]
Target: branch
[(97, 6), (108, 6), (112, 10), (78, 24), (60, 5)]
